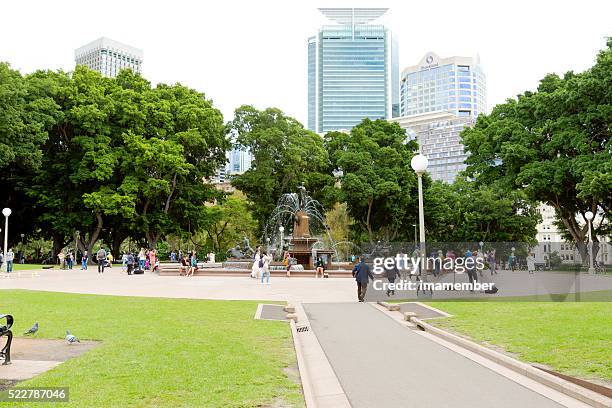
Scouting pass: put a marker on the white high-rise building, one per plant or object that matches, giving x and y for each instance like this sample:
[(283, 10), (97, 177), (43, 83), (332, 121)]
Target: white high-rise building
[(455, 84), (437, 134), (109, 57)]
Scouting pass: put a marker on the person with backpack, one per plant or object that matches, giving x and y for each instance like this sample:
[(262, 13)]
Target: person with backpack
[(101, 257), (392, 273), (130, 261), (362, 275)]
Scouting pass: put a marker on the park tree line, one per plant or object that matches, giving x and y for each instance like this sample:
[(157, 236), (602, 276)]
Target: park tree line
[(117, 158), (110, 158)]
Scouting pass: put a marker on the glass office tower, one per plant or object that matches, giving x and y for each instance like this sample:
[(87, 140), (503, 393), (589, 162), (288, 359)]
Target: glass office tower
[(352, 70), (455, 84)]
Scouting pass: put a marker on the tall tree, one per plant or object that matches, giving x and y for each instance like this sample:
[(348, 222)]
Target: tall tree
[(376, 180), (284, 156), (227, 224), (23, 120), (123, 158), (467, 212), (554, 145)]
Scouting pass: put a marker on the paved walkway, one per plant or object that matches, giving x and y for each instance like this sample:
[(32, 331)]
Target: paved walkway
[(382, 364), (114, 282)]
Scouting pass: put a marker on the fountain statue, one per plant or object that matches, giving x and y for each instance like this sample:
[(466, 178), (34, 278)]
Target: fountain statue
[(305, 215)]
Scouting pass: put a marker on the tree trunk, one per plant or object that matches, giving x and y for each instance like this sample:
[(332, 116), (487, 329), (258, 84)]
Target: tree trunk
[(118, 239), (58, 244), (93, 237)]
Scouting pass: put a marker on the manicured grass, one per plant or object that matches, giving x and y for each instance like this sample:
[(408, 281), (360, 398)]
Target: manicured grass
[(161, 352), (593, 296), (573, 338), (28, 267)]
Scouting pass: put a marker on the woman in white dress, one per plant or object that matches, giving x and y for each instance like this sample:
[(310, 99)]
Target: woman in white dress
[(255, 267)]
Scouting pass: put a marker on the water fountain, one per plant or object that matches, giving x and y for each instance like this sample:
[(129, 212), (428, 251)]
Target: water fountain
[(304, 214)]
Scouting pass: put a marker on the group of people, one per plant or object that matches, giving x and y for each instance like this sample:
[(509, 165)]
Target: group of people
[(8, 258), (261, 265), (189, 264)]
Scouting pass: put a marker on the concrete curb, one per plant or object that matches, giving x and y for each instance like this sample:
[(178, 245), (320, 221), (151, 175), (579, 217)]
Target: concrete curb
[(549, 380), (304, 374)]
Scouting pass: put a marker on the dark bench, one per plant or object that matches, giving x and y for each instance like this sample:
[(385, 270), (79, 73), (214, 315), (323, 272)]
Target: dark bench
[(6, 331)]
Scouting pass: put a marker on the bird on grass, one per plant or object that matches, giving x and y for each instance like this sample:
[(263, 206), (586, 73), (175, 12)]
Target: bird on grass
[(32, 329), (71, 338)]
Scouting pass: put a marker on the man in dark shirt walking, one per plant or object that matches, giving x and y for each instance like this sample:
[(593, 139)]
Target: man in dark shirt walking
[(362, 275)]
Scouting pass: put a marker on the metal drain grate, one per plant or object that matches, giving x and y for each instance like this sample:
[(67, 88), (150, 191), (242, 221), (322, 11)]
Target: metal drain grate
[(302, 329)]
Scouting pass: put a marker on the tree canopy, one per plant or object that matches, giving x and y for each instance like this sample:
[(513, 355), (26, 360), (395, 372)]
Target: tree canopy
[(553, 145), (111, 157), (376, 180), (285, 155)]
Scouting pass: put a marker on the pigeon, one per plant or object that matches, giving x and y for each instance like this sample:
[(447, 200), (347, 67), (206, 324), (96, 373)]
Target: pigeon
[(71, 338), (32, 329)]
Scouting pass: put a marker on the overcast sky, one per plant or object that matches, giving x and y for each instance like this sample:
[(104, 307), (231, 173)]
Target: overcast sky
[(254, 52)]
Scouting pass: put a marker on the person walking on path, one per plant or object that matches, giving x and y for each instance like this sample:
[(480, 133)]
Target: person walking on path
[(69, 260), (101, 257), (392, 274), (10, 257), (531, 263), (194, 264), (362, 275), (152, 258), (141, 258), (129, 261), (84, 260), (470, 267), (264, 262), (492, 262)]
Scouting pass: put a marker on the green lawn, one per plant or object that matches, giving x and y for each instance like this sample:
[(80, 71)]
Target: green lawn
[(161, 352), (27, 267), (574, 338)]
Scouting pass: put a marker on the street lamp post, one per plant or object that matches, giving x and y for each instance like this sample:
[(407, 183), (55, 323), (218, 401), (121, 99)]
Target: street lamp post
[(6, 212), (281, 229), (415, 235), (419, 165), (589, 216)]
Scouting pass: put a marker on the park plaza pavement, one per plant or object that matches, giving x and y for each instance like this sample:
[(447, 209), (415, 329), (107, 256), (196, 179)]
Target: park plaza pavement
[(305, 290)]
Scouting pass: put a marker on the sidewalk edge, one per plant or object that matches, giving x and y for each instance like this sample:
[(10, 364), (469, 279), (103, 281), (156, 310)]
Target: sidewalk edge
[(306, 381), (556, 383)]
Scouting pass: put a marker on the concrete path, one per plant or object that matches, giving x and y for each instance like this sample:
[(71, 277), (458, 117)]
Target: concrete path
[(115, 282), (382, 364)]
